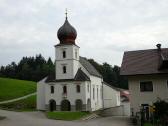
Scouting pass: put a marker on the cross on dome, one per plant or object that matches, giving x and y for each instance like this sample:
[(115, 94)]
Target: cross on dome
[(67, 33), (66, 13)]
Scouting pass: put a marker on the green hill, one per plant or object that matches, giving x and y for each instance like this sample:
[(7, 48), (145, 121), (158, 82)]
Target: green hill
[(28, 104), (12, 88)]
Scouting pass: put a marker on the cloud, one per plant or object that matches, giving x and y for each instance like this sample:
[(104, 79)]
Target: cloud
[(105, 28)]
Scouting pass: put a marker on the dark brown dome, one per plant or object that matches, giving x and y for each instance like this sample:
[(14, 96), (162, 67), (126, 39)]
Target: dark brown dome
[(67, 33)]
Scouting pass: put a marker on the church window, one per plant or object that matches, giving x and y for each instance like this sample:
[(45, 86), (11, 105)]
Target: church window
[(64, 69), (88, 87), (93, 93), (64, 89), (76, 54), (64, 54), (52, 89), (97, 92), (78, 88)]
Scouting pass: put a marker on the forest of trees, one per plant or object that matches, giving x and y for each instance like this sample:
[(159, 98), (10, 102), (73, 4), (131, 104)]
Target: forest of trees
[(36, 68)]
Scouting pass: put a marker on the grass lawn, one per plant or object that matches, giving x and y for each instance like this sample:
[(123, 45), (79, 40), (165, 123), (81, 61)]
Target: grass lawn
[(66, 115), (28, 104), (12, 88), (147, 124)]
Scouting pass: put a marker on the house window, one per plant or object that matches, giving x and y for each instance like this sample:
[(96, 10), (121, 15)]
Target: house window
[(64, 54), (52, 89), (78, 88), (64, 69), (146, 86), (64, 89)]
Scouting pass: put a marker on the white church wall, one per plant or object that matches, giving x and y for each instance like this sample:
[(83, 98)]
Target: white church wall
[(41, 94), (70, 52), (69, 69), (96, 101), (71, 61), (72, 94), (111, 97)]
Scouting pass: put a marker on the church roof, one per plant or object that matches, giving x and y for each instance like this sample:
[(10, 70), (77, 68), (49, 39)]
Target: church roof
[(67, 33), (89, 67), (80, 76)]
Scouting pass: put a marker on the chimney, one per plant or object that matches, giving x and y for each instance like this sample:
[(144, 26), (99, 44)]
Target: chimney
[(158, 47)]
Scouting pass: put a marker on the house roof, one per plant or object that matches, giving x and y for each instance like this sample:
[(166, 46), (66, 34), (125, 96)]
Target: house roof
[(80, 76), (144, 62), (89, 67)]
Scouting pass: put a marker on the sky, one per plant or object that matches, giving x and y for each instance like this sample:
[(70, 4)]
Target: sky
[(105, 28)]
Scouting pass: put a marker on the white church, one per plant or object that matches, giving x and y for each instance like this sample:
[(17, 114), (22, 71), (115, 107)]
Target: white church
[(76, 85)]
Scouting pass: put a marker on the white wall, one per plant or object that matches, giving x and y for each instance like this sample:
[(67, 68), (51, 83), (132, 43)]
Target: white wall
[(111, 97), (70, 52), (126, 106), (137, 98), (96, 83), (71, 61), (71, 69), (41, 94), (72, 95)]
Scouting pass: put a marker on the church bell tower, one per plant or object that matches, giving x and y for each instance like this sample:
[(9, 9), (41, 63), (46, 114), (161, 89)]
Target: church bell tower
[(67, 52)]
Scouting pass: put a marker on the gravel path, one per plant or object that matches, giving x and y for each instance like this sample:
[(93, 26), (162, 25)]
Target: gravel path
[(39, 119), (17, 99)]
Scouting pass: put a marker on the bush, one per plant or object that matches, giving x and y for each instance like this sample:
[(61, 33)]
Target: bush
[(161, 112)]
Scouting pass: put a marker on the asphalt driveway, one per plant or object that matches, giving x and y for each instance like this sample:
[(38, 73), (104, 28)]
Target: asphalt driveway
[(39, 119)]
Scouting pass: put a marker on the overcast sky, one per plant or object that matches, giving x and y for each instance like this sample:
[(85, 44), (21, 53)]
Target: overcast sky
[(105, 28)]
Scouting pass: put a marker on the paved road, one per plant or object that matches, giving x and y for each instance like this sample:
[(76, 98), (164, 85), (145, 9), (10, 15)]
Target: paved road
[(17, 99), (39, 119)]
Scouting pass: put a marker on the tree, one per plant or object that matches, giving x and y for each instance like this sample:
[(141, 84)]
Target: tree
[(36, 68), (111, 74)]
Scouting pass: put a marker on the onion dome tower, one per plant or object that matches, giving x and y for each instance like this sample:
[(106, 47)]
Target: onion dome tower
[(67, 52), (67, 33)]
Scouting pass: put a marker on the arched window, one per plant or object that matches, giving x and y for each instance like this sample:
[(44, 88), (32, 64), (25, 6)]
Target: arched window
[(64, 89), (78, 88), (52, 89), (64, 69), (64, 54)]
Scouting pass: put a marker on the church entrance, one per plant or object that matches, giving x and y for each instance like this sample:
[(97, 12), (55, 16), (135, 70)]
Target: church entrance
[(65, 105), (52, 105), (78, 104), (88, 105)]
